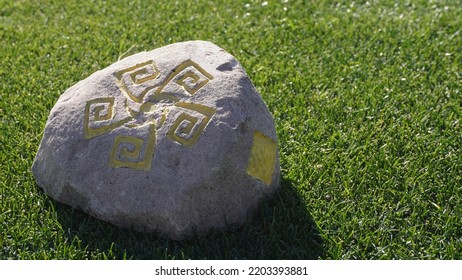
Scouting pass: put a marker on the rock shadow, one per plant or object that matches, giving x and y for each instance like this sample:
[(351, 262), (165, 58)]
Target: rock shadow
[(284, 229)]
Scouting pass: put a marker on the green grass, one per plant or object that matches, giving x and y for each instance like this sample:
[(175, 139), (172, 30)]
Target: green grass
[(366, 96)]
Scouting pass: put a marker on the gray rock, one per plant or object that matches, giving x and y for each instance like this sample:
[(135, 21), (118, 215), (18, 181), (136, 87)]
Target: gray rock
[(175, 141)]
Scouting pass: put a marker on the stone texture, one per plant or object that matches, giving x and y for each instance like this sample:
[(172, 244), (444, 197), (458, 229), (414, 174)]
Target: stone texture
[(175, 141)]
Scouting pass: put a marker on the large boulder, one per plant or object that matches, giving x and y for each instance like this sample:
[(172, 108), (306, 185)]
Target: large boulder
[(175, 141)]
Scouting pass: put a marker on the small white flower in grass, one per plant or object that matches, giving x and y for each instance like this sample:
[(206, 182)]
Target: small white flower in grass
[(264, 4)]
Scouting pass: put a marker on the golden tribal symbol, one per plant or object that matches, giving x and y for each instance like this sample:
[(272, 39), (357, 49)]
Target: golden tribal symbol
[(99, 114), (138, 75), (189, 79), (135, 82), (127, 151), (187, 128)]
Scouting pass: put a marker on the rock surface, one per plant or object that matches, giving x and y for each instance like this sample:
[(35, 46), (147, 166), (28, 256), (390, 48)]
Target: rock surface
[(175, 141)]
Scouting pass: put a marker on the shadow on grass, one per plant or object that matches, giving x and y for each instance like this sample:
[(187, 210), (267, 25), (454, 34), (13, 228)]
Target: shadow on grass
[(284, 230)]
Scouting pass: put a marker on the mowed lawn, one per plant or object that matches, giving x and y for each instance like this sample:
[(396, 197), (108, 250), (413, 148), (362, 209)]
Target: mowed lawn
[(366, 98)]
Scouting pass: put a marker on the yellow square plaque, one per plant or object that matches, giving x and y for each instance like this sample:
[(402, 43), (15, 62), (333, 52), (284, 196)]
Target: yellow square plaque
[(262, 158)]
